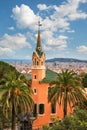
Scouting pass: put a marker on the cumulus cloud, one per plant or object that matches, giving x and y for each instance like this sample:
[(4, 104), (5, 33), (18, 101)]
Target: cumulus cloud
[(58, 42), (14, 42), (9, 44), (54, 24), (62, 15), (47, 48), (6, 52), (82, 49), (70, 10), (59, 18), (58, 21), (42, 7), (11, 28), (28, 57), (24, 16)]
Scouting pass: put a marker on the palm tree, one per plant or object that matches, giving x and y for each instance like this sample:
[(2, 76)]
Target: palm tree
[(66, 89), (16, 95)]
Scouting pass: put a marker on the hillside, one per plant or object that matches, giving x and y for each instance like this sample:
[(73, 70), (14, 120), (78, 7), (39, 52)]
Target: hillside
[(48, 60), (65, 60)]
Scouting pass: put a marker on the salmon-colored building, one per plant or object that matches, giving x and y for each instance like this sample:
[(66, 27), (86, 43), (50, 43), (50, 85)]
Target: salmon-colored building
[(41, 77)]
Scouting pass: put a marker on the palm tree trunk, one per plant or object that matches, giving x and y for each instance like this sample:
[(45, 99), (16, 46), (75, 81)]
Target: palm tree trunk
[(65, 103), (13, 117)]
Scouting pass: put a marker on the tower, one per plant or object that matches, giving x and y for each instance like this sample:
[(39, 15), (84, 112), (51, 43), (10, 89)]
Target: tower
[(38, 60), (41, 77)]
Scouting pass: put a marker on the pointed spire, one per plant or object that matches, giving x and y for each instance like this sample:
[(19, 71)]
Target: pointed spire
[(39, 47)]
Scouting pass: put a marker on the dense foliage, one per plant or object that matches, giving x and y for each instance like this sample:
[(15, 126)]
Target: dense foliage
[(15, 92), (66, 90), (84, 80), (5, 69), (77, 121)]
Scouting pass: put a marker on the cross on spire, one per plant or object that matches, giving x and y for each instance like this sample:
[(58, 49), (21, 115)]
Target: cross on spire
[(39, 24)]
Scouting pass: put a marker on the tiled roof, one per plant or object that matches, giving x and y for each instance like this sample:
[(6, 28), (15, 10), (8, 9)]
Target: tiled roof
[(40, 53), (50, 76)]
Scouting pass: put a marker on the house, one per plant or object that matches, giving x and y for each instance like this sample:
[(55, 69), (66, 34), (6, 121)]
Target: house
[(41, 77)]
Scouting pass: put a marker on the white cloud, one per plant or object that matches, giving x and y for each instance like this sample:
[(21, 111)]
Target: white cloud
[(71, 31), (11, 28), (6, 52), (47, 48), (70, 10), (10, 45), (59, 18), (24, 16), (62, 15), (51, 42), (82, 49), (30, 36), (42, 7), (28, 57), (54, 24), (14, 42), (78, 15)]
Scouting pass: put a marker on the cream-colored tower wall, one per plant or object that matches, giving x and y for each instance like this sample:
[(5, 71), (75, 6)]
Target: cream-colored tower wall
[(38, 66)]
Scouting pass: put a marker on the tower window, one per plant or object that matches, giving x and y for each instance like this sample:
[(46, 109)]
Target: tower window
[(53, 108), (41, 108), (41, 63), (37, 63), (33, 62), (35, 110), (35, 77), (35, 91)]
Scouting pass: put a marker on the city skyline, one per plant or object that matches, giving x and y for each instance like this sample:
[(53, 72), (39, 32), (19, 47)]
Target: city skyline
[(63, 30)]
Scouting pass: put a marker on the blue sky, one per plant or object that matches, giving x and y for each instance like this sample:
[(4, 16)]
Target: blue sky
[(63, 31)]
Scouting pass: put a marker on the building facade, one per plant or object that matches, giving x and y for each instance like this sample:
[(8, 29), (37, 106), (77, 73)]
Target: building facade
[(41, 77)]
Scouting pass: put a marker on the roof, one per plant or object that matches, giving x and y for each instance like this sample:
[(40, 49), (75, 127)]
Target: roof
[(40, 53), (39, 47), (38, 42), (50, 76)]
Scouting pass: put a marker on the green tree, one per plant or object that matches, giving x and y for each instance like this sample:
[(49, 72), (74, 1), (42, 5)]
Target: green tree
[(66, 89), (84, 80), (76, 121), (16, 94), (5, 69)]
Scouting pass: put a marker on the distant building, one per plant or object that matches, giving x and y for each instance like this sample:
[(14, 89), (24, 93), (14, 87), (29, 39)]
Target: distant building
[(41, 77)]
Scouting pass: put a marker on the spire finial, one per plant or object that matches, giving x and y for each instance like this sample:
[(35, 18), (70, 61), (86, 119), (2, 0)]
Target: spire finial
[(39, 24)]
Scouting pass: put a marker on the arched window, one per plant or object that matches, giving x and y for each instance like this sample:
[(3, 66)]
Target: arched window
[(41, 108), (42, 63), (53, 108), (35, 61), (35, 76), (35, 110), (35, 90)]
